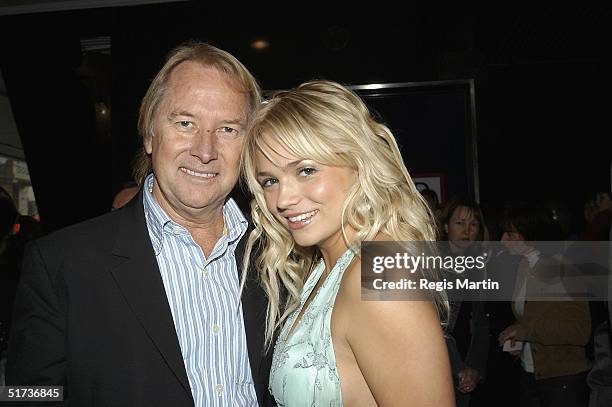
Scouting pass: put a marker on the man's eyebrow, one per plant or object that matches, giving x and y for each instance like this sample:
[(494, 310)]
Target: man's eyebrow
[(185, 113), (173, 115), (233, 121)]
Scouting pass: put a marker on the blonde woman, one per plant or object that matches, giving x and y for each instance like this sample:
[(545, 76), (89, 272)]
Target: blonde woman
[(326, 177)]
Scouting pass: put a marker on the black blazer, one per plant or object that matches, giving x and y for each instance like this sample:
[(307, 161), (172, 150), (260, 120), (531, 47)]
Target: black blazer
[(91, 315)]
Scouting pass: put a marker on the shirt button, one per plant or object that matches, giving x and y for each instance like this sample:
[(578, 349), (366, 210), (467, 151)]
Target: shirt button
[(205, 272), (216, 329), (219, 389)]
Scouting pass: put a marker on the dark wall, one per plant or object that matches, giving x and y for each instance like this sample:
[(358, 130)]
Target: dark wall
[(55, 114), (542, 84)]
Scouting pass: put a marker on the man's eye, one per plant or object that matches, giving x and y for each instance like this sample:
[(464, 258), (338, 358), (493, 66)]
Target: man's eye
[(184, 124), (228, 131), (308, 171), (268, 182)]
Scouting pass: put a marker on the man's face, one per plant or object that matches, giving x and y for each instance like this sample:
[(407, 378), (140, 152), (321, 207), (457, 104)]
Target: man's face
[(603, 202), (195, 148)]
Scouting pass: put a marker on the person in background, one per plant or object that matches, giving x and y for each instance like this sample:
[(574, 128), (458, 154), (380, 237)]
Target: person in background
[(9, 271), (8, 218), (502, 370), (598, 216), (431, 198), (553, 333), (128, 191), (468, 327), (598, 211)]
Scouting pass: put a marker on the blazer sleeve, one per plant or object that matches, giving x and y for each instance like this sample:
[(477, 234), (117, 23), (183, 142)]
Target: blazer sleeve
[(37, 344)]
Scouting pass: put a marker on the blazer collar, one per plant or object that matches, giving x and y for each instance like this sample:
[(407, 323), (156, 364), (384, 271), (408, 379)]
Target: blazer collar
[(254, 312)]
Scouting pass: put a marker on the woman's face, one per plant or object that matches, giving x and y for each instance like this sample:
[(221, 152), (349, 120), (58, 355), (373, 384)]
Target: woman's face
[(304, 196), (462, 227), (515, 241)]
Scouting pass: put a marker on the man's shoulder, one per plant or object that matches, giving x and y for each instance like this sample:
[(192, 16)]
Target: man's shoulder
[(98, 232)]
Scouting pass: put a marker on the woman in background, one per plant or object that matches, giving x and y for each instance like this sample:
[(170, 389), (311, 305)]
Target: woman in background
[(468, 327), (326, 177)]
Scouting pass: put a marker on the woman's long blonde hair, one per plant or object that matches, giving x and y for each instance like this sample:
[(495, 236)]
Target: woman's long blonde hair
[(326, 122)]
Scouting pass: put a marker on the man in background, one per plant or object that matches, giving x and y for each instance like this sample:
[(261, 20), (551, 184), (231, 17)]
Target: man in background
[(125, 195)]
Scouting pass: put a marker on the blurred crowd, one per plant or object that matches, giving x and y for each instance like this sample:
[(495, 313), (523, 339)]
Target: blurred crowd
[(521, 352)]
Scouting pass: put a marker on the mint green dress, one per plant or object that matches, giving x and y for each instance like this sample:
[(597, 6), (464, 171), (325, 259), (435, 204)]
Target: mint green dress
[(304, 371)]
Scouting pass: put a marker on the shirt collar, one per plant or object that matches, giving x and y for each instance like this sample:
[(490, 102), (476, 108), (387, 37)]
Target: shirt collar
[(235, 222), (533, 257), (158, 220)]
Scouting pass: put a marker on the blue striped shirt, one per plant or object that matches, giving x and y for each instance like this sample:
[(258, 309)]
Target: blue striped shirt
[(202, 293)]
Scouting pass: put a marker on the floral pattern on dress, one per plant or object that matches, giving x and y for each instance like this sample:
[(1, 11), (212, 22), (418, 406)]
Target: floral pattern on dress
[(304, 371)]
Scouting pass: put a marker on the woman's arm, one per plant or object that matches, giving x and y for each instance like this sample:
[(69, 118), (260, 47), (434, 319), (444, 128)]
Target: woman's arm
[(400, 349)]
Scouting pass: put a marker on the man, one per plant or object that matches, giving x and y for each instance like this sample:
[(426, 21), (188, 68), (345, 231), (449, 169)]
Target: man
[(141, 307)]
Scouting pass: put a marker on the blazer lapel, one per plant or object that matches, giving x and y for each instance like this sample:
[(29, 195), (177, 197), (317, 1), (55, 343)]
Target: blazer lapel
[(137, 275), (254, 313)]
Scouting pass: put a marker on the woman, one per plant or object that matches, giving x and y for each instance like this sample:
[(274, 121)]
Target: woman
[(468, 327), (553, 333), (326, 177)]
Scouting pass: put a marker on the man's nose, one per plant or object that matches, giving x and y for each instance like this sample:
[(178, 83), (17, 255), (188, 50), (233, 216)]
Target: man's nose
[(204, 146)]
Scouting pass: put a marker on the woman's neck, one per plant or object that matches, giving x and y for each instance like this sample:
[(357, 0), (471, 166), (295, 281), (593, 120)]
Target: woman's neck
[(334, 247)]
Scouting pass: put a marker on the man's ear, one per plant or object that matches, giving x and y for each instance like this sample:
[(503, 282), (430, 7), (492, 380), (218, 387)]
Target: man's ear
[(446, 228), (148, 144)]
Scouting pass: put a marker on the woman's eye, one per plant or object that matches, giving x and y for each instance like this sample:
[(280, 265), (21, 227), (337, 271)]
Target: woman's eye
[(307, 171), (268, 182)]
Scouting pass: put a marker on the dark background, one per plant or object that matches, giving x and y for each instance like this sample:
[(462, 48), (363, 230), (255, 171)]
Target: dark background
[(542, 78), (425, 116)]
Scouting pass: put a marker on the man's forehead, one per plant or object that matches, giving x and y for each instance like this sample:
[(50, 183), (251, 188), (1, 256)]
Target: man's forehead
[(189, 89), (189, 72)]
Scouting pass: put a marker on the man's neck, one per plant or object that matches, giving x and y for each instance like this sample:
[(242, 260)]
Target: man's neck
[(206, 226), (207, 236)]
